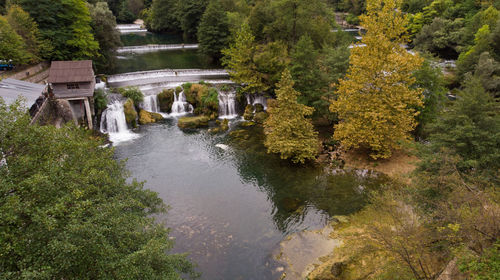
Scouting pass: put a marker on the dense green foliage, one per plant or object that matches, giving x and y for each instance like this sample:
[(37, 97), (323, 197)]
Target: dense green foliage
[(288, 131), (12, 46), (104, 29), (133, 93), (213, 31), (68, 211)]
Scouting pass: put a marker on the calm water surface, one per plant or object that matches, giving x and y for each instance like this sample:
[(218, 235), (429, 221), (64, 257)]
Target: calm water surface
[(231, 208)]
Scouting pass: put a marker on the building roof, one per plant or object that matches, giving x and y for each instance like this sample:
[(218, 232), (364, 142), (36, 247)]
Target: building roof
[(71, 71), (11, 89)]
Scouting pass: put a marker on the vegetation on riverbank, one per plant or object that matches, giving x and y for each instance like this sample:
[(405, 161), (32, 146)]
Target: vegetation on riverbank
[(68, 210)]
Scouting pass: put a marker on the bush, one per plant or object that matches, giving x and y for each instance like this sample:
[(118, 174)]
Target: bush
[(133, 93), (100, 100)]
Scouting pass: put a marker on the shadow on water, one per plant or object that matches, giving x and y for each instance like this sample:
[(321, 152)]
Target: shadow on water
[(295, 189), (232, 205)]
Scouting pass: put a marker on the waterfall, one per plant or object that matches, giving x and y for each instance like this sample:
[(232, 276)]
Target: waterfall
[(150, 103), (257, 99), (180, 105), (227, 105), (113, 123)]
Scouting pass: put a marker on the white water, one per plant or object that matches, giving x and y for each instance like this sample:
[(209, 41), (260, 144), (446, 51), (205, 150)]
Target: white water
[(227, 105), (257, 99), (154, 48), (181, 106), (150, 103), (165, 76), (130, 28), (114, 124)]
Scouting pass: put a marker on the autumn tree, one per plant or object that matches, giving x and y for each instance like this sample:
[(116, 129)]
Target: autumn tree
[(376, 103), (12, 46), (27, 28), (288, 131)]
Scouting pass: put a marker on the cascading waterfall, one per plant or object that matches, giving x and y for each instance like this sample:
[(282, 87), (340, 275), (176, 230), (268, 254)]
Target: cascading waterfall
[(150, 103), (257, 99), (227, 105), (180, 105), (113, 123)]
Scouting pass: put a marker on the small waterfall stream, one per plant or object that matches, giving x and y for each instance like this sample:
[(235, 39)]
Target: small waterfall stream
[(227, 105), (150, 103), (180, 105), (113, 123), (257, 99)]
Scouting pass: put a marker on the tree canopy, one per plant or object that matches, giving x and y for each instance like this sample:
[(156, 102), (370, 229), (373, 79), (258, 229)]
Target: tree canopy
[(68, 210)]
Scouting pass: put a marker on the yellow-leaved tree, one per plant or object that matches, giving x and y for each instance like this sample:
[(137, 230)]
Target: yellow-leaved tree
[(376, 103)]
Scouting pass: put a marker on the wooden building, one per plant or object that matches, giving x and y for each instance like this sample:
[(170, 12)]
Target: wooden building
[(74, 81)]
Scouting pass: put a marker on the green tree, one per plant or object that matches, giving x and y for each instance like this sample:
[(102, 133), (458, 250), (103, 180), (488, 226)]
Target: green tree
[(239, 60), (27, 28), (190, 13), (375, 103), (213, 32), (470, 128), (104, 29), (163, 16), (12, 46), (468, 60), (288, 131), (68, 211), (66, 24)]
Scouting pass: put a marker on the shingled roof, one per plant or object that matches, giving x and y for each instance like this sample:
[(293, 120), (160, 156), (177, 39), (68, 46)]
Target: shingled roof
[(71, 71)]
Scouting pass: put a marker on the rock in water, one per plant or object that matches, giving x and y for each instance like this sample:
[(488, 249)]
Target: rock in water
[(222, 146), (193, 122)]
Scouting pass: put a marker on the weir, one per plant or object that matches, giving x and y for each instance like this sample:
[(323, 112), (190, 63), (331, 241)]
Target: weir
[(130, 28), (165, 76), (155, 48)]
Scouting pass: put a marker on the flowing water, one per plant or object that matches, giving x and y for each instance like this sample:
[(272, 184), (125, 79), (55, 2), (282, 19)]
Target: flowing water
[(231, 202)]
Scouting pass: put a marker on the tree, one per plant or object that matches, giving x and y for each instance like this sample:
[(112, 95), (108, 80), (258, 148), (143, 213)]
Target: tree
[(190, 15), (68, 211), (163, 16), (104, 29), (239, 60), (27, 28), (66, 24), (376, 104), (288, 131), (213, 32), (468, 60), (12, 46), (470, 128)]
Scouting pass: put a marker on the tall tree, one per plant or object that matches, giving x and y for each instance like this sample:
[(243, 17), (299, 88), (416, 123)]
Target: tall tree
[(376, 104), (104, 29), (163, 16), (27, 28), (71, 213), (66, 24), (213, 32), (190, 13), (12, 46), (288, 131), (239, 60)]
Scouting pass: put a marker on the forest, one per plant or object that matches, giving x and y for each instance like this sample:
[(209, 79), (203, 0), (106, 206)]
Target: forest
[(422, 79)]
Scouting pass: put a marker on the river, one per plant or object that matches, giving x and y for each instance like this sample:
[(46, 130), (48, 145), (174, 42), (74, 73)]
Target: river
[(231, 202)]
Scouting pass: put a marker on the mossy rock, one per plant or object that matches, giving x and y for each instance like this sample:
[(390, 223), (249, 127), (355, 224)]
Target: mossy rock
[(259, 108), (178, 89), (193, 122), (130, 113), (240, 134), (146, 117), (165, 100), (221, 127), (260, 117), (247, 124), (248, 115)]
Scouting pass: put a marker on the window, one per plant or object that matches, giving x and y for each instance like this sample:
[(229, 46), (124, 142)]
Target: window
[(73, 86)]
